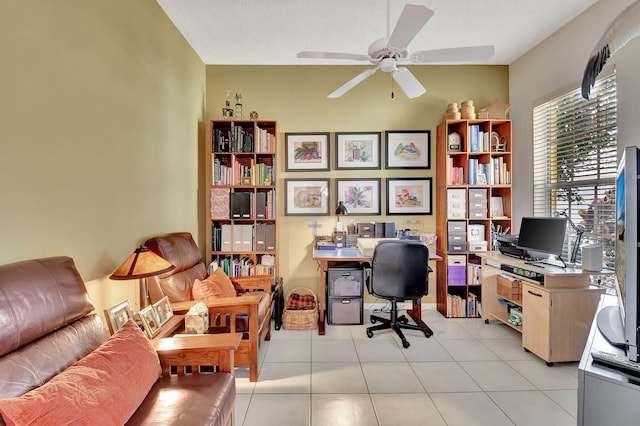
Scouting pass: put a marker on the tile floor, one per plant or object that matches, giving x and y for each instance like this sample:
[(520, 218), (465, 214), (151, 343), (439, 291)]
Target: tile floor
[(468, 373)]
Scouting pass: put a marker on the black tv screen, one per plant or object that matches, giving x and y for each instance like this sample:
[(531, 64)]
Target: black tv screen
[(542, 234)]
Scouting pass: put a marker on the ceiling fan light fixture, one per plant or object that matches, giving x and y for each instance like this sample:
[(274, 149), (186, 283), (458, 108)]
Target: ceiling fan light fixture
[(388, 65)]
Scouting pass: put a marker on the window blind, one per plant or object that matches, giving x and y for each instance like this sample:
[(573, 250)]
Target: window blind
[(575, 162)]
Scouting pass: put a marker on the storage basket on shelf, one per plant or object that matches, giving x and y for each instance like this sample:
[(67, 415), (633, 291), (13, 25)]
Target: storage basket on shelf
[(301, 310)]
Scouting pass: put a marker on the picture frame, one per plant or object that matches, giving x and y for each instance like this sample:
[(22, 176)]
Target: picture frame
[(117, 315), (163, 310), (306, 197), (360, 196), (408, 149), (306, 152), (408, 196), (358, 150), (150, 321)]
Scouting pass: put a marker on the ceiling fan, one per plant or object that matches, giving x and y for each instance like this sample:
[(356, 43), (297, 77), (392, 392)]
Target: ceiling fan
[(387, 52)]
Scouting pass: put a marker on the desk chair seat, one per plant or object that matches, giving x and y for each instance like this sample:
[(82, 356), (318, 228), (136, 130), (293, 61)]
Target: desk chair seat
[(399, 272)]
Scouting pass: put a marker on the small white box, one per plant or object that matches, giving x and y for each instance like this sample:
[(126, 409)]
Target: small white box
[(456, 195), (457, 214), (475, 232), (457, 260), (456, 205), (478, 245)]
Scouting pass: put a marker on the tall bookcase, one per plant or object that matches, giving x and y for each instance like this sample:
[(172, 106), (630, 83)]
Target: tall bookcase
[(243, 234), (473, 196)]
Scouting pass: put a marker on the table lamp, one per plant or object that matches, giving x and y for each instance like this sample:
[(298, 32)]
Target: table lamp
[(340, 210), (141, 264)]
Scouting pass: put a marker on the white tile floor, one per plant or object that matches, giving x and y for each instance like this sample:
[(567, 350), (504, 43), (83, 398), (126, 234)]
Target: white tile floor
[(468, 373)]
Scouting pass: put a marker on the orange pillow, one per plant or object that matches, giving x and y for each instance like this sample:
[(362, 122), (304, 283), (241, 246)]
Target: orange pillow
[(105, 387), (217, 284)]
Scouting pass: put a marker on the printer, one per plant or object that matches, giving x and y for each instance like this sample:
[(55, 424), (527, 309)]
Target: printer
[(508, 245)]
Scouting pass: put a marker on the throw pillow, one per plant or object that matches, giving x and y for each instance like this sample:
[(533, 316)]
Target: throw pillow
[(217, 284), (104, 388)]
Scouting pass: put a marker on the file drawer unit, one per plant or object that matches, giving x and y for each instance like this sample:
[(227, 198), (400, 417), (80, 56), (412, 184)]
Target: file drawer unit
[(469, 179), (345, 289)]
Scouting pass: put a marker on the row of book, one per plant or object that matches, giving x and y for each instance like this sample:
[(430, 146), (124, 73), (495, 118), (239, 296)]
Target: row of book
[(459, 307), (238, 173), (243, 237), (478, 140), (237, 139), (227, 205), (494, 172), (243, 266)]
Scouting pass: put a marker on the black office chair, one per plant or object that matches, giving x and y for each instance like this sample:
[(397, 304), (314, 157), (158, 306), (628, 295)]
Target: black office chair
[(399, 272)]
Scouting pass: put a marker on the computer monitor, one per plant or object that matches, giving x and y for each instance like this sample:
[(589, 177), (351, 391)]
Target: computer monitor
[(542, 236)]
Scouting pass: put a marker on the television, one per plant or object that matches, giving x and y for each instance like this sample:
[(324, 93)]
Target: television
[(542, 236), (620, 324)]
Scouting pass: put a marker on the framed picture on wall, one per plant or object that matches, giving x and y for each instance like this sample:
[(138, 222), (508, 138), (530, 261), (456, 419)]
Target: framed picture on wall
[(408, 149), (118, 314), (358, 150), (360, 196), (306, 152), (406, 196), (306, 197)]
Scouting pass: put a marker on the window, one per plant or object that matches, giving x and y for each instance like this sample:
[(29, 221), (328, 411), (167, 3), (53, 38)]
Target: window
[(575, 161)]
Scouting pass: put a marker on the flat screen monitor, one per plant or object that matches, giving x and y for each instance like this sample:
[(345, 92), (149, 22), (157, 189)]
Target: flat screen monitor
[(621, 324), (542, 235)]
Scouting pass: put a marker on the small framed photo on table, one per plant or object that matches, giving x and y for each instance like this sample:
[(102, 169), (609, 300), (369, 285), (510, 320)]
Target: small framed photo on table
[(118, 314), (150, 321), (163, 310)]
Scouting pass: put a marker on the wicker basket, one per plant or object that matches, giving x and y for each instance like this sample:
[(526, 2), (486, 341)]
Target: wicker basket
[(300, 319)]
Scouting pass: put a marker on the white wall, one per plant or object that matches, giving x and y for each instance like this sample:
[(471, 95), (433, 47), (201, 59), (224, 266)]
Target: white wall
[(557, 64)]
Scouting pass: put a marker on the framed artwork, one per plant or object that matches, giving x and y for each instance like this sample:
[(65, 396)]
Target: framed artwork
[(360, 196), (163, 309), (408, 149), (150, 321), (306, 151), (409, 196), (118, 314), (358, 150), (306, 197)]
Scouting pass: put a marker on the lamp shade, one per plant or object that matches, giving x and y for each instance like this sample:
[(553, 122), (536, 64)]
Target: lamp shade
[(341, 209), (141, 263)]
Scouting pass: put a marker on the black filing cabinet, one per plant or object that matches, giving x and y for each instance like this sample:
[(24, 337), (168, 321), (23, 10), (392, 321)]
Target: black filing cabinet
[(345, 296)]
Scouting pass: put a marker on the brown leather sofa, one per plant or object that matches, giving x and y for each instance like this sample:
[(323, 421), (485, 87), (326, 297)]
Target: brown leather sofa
[(249, 313), (47, 324)]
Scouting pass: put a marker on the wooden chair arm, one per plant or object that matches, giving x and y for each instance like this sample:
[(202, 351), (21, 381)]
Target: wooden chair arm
[(218, 302), (254, 283), (196, 350)]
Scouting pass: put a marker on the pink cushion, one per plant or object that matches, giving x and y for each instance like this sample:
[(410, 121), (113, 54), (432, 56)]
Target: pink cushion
[(105, 387), (217, 284)]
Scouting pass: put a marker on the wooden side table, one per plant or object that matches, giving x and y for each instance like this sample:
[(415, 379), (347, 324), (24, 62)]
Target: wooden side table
[(197, 349)]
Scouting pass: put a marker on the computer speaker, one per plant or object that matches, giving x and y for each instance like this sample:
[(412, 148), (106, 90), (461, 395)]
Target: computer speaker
[(592, 257)]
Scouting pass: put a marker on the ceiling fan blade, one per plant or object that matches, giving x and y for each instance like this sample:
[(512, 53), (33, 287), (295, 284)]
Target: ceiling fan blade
[(409, 84), (455, 54), (352, 83), (411, 21), (332, 55)]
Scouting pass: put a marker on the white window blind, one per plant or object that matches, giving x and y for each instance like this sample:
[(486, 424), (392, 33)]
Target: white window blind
[(575, 161)]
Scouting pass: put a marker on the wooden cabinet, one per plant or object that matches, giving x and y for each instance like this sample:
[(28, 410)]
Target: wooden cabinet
[(242, 199), (557, 305), (473, 195)]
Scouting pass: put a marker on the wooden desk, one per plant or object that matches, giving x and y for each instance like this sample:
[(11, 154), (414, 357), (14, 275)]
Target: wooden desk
[(557, 304), (324, 257)]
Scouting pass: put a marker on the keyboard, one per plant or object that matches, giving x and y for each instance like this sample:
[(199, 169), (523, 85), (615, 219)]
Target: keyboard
[(619, 362)]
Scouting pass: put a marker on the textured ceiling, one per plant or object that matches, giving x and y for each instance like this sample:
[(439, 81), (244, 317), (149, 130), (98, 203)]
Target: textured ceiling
[(262, 32)]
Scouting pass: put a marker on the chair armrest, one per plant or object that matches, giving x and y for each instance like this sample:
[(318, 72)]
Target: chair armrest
[(254, 283), (197, 350), (218, 302)]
